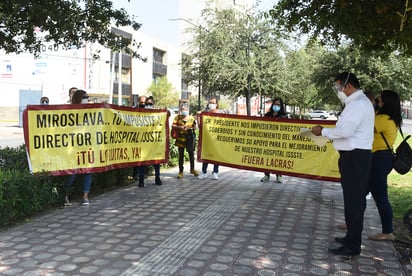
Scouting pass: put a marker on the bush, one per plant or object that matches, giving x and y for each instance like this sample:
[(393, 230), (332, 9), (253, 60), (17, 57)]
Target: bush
[(23, 194)]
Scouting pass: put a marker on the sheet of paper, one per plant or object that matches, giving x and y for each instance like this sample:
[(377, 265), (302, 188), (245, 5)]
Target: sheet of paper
[(320, 141)]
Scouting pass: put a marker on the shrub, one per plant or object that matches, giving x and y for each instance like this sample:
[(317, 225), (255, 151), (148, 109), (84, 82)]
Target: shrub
[(23, 194)]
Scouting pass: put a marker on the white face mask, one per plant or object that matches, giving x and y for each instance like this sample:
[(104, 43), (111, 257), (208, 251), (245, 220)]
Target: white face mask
[(85, 101), (212, 106), (342, 96)]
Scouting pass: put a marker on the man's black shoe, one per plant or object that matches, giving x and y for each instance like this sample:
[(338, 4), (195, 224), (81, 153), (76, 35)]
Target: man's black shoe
[(158, 181), (344, 251), (141, 183), (340, 240)]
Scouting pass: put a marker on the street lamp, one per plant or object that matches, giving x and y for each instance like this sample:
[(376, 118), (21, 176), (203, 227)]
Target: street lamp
[(200, 63)]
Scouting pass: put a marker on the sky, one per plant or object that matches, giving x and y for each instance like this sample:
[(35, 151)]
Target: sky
[(154, 16)]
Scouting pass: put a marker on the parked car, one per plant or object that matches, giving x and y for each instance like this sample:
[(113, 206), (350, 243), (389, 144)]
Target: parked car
[(315, 114)]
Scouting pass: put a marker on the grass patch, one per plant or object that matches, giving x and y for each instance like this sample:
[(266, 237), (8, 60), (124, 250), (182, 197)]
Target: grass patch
[(400, 188), (400, 193)]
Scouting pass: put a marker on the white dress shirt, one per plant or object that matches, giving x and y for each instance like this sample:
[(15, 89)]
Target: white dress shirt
[(354, 128)]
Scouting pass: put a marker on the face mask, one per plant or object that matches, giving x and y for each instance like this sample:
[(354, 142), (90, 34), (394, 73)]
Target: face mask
[(342, 96), (212, 106), (276, 108), (148, 106), (185, 112), (85, 101), (141, 105)]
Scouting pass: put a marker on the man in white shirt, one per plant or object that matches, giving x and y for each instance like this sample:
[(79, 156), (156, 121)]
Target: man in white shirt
[(352, 137)]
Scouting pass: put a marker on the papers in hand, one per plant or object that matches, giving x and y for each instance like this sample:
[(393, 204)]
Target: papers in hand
[(320, 141)]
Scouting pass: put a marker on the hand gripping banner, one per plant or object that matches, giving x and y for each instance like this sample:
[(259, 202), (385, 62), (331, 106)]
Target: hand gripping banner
[(87, 138), (266, 145)]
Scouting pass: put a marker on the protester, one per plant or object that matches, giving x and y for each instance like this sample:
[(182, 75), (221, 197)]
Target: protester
[(79, 97), (186, 124), (213, 107), (44, 100), (352, 137), (72, 90), (387, 121), (277, 110), (139, 171)]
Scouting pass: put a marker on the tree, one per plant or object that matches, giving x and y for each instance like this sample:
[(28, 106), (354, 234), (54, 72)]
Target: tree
[(163, 93), (296, 79), (238, 55), (371, 25), (375, 72), (25, 25)]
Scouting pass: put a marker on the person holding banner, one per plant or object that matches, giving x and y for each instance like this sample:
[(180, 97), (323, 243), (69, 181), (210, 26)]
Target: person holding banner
[(186, 124), (139, 171), (79, 97), (353, 137), (72, 90), (213, 107), (277, 110), (387, 121)]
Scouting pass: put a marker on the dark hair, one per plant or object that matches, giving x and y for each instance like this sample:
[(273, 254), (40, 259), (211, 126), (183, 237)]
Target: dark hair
[(217, 102), (44, 100), (280, 113), (70, 90), (78, 96), (391, 106), (150, 98), (347, 77)]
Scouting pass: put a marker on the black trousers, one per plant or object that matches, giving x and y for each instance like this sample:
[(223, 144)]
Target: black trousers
[(354, 167)]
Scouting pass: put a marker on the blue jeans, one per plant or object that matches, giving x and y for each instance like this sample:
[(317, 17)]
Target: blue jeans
[(215, 168), (378, 187), (87, 181)]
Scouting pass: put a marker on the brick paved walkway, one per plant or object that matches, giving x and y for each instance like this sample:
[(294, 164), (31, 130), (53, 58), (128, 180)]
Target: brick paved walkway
[(232, 226)]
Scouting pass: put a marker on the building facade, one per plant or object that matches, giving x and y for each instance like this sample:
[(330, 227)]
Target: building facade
[(24, 79)]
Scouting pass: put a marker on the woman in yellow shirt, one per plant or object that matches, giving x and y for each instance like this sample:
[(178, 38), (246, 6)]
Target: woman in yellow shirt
[(387, 121), (186, 124)]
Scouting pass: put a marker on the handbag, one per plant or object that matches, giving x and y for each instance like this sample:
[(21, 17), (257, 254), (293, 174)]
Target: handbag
[(190, 140), (174, 133), (402, 156)]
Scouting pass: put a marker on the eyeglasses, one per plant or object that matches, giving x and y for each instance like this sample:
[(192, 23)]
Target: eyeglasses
[(148, 104), (338, 87)]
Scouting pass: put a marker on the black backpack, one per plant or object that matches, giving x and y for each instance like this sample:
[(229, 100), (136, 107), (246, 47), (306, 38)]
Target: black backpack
[(402, 157)]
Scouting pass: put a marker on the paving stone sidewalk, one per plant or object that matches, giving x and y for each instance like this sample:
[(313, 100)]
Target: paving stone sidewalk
[(232, 226)]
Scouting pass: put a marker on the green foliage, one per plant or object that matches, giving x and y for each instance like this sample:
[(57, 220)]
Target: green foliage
[(163, 93), (23, 194), (11, 158), (63, 22), (374, 71), (400, 189), (370, 25), (237, 55)]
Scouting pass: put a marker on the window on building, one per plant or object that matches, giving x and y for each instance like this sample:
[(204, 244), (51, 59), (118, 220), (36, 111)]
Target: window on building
[(158, 55)]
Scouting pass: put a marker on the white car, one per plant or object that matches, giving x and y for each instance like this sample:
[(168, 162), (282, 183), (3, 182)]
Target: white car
[(321, 114)]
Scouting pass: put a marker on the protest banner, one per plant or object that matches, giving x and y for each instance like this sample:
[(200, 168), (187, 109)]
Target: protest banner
[(267, 145), (87, 138)]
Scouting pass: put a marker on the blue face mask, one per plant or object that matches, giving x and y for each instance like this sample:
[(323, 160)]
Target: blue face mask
[(185, 112), (276, 108)]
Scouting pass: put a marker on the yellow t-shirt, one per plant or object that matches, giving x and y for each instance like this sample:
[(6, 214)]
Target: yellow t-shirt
[(388, 127)]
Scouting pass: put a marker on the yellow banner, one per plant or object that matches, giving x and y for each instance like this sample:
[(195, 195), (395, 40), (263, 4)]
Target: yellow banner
[(66, 139), (267, 145)]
